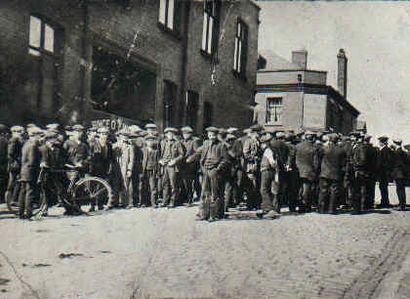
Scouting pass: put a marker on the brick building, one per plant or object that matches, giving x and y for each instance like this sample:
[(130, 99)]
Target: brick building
[(169, 61), (290, 96)]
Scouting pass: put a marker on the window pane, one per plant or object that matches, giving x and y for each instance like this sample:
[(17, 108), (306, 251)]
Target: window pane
[(171, 8), (204, 30), (239, 55), (48, 38), (162, 7), (210, 35), (238, 30), (35, 32), (235, 57)]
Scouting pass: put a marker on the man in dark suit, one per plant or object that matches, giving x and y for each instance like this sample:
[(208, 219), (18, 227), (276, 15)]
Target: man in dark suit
[(189, 171), (332, 169), (3, 161), (400, 172), (150, 171), (30, 169), (307, 164), (384, 169), (14, 147)]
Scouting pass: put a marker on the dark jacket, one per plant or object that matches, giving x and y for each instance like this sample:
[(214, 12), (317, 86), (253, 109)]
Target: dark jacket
[(101, 159), (213, 155), (176, 152), (400, 164), (307, 160), (384, 163), (15, 146), (3, 156), (30, 161), (333, 162)]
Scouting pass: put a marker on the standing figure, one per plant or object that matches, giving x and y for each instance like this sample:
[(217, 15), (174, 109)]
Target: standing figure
[(150, 172), (14, 148), (29, 173), (189, 171), (123, 166), (384, 170), (172, 154), (3, 161), (332, 170), (400, 172), (269, 178), (213, 161), (307, 164)]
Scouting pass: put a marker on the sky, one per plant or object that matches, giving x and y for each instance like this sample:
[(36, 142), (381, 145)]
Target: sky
[(376, 38)]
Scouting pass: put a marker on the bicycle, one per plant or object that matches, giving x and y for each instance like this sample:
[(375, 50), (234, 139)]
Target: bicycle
[(81, 194)]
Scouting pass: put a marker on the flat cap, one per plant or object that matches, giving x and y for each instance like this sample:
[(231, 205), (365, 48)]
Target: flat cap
[(280, 134), (367, 137), (92, 129), (3, 128), (383, 138), (230, 137), (266, 138), (170, 129), (256, 128), (135, 129), (151, 126), (53, 126), (332, 136), (50, 135), (397, 141), (103, 130), (232, 130), (77, 127), (247, 131), (123, 132), (34, 131), (187, 129), (212, 129), (17, 129)]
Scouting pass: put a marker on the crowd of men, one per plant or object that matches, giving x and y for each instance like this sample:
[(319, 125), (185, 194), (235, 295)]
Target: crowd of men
[(229, 168)]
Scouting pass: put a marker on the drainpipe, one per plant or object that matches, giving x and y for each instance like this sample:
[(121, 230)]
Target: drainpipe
[(185, 60)]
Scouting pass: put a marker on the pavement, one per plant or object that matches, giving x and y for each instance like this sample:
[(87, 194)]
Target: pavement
[(166, 253)]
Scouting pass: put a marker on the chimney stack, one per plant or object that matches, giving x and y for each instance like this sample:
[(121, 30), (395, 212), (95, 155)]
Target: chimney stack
[(342, 72), (300, 58)]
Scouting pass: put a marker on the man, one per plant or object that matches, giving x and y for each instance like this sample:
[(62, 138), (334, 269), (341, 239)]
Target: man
[(150, 171), (77, 150), (3, 161), (269, 178), (123, 166), (14, 148), (332, 170), (189, 171), (252, 156), (400, 172), (231, 175), (51, 180), (29, 173), (213, 161), (307, 164), (373, 162), (359, 161), (384, 170), (138, 141), (291, 174), (172, 154)]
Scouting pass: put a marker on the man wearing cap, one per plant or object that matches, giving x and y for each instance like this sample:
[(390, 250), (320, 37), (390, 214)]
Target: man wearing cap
[(77, 150), (307, 163), (373, 161), (291, 174), (231, 175), (3, 161), (384, 170), (189, 171), (359, 162), (52, 182), (172, 155), (29, 173), (400, 171), (14, 147), (252, 156), (332, 170), (122, 167), (269, 178), (214, 162), (150, 172)]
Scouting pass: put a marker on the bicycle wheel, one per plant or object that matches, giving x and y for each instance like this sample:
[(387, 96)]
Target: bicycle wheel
[(90, 192)]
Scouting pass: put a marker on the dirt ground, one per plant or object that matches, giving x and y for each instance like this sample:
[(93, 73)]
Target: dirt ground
[(147, 253)]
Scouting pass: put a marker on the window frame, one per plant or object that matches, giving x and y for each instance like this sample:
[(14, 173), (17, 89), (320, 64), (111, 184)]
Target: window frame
[(208, 14), (176, 18), (241, 49), (275, 108), (191, 94), (41, 49)]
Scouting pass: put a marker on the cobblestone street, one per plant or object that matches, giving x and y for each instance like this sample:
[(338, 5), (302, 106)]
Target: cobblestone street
[(146, 253)]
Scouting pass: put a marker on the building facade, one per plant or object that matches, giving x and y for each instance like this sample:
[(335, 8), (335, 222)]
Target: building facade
[(169, 61), (292, 97)]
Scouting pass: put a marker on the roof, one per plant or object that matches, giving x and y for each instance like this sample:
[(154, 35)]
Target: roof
[(276, 62)]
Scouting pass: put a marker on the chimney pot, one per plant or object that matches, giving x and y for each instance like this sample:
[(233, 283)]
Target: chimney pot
[(300, 58), (342, 72)]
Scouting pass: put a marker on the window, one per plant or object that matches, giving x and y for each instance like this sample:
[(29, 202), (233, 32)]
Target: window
[(170, 94), (210, 26), (41, 37), (208, 114), (241, 46), (191, 108), (274, 108), (169, 14)]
